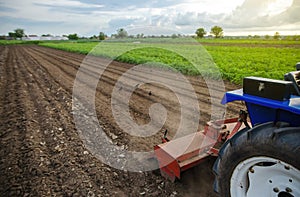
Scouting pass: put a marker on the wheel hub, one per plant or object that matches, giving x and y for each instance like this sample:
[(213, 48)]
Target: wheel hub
[(265, 176)]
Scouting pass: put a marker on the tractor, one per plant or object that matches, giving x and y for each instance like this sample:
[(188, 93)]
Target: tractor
[(258, 153)]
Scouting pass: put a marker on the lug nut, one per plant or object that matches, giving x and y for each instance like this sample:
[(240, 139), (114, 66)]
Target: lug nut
[(289, 190), (276, 189), (287, 167)]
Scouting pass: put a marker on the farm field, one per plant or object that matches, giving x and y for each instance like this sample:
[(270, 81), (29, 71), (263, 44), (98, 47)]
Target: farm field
[(235, 59), (12, 42), (41, 152)]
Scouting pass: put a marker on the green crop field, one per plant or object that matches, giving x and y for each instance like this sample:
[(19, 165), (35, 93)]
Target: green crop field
[(12, 42), (6, 42), (238, 62), (234, 59)]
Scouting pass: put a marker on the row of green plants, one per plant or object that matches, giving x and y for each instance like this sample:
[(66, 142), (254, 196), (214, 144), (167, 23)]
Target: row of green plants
[(234, 62), (12, 42), (239, 62)]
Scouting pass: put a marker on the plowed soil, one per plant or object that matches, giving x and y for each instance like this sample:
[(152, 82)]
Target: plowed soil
[(41, 153)]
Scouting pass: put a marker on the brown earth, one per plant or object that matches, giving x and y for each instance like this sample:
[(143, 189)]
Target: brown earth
[(41, 152)]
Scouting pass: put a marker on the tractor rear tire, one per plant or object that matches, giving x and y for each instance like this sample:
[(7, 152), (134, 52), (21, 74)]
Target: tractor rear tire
[(252, 160)]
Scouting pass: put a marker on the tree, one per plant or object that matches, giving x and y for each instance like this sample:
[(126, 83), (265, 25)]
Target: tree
[(19, 33), (217, 31), (174, 36), (73, 37), (140, 35), (94, 37), (12, 35), (200, 32), (276, 36), (46, 35), (267, 37), (101, 36), (122, 33)]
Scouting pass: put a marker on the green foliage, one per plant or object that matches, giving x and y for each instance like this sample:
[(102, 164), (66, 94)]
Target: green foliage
[(101, 36), (11, 42), (73, 36), (217, 31), (276, 36), (19, 33), (77, 47), (235, 59), (256, 41), (174, 36), (200, 32), (94, 37), (122, 33), (158, 57), (12, 35), (267, 37), (238, 62)]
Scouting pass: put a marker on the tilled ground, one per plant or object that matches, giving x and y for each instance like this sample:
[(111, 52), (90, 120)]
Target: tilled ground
[(41, 152)]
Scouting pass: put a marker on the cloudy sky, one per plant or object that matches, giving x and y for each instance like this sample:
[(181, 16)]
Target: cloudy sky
[(86, 17)]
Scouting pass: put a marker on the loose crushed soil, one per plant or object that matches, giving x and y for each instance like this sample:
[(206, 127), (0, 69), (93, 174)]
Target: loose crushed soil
[(41, 152)]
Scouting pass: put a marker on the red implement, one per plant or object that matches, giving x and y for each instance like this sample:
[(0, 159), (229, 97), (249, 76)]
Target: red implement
[(180, 154)]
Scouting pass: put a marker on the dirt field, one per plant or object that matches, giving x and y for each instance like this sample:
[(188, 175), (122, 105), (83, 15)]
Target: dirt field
[(41, 153)]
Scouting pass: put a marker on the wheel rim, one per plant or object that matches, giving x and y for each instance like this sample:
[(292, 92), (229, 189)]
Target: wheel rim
[(264, 176)]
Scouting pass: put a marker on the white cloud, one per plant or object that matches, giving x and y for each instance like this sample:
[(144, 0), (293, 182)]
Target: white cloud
[(64, 20), (67, 3), (207, 6), (251, 16), (68, 16), (276, 7), (254, 13)]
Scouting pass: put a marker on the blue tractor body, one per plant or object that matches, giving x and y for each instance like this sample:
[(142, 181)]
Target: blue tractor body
[(263, 110)]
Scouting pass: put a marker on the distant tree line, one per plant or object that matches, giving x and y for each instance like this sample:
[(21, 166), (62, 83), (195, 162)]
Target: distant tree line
[(121, 33), (217, 31)]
